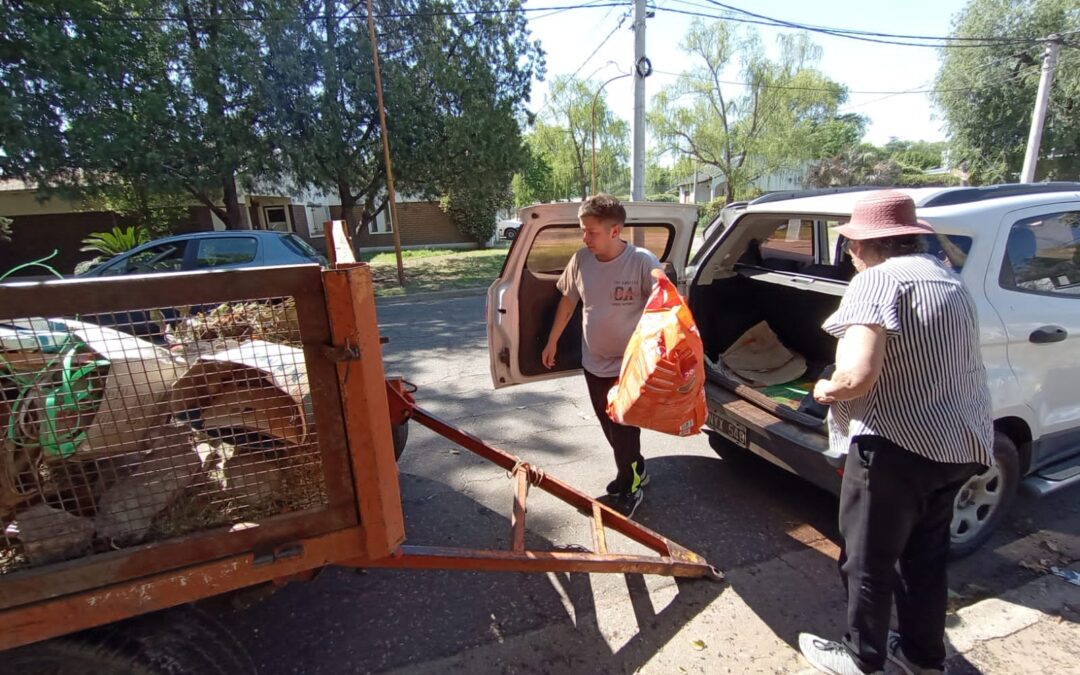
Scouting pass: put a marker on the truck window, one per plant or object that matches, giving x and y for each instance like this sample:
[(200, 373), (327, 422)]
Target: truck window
[(554, 245)]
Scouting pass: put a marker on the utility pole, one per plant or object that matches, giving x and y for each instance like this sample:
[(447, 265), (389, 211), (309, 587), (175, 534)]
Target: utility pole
[(1042, 99), (395, 224), (642, 69)]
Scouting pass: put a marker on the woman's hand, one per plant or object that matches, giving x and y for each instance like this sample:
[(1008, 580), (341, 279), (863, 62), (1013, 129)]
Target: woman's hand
[(823, 392)]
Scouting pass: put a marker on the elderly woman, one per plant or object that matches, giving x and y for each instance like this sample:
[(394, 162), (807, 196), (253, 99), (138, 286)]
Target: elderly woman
[(910, 406)]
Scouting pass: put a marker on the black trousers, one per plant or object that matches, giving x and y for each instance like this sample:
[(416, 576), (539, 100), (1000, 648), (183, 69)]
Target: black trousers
[(895, 510), (625, 441)]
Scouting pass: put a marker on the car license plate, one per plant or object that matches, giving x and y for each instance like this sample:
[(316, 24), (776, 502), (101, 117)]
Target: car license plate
[(733, 431)]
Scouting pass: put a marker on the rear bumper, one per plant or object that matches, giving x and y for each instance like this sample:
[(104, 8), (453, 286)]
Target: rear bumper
[(802, 451)]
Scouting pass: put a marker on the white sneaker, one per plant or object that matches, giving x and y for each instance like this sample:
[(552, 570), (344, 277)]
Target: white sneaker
[(828, 656), (896, 655)]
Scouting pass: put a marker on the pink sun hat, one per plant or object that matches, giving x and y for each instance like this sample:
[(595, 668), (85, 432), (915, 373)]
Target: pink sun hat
[(886, 213)]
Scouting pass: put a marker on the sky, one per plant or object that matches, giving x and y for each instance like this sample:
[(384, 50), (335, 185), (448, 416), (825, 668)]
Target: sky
[(569, 37)]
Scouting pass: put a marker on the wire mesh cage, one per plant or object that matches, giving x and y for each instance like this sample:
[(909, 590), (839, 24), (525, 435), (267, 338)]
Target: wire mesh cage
[(130, 427)]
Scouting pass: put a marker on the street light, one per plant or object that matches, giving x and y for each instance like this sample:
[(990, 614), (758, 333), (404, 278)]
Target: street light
[(594, 98)]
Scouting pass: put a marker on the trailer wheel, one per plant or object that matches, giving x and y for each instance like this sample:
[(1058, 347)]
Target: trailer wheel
[(65, 656), (176, 641), (401, 437), (183, 640)]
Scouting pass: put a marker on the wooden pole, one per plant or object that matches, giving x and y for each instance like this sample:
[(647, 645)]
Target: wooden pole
[(395, 224)]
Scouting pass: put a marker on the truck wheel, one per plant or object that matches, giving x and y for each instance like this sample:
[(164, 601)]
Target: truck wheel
[(401, 437), (509, 233), (984, 500), (65, 656)]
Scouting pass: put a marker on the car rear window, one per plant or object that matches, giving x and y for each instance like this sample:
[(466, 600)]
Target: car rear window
[(220, 251), (554, 245)]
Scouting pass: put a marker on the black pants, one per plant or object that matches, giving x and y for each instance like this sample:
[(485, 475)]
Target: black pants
[(624, 440), (895, 510)]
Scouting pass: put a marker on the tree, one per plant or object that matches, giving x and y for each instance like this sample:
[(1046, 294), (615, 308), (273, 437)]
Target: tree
[(455, 84), (768, 127), (863, 164), (163, 95), (536, 182), (564, 137), (987, 94)]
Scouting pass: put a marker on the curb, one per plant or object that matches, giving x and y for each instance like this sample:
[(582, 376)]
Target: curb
[(432, 295)]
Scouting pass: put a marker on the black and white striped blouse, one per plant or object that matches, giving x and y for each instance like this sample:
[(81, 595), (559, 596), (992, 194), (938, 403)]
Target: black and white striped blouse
[(932, 397)]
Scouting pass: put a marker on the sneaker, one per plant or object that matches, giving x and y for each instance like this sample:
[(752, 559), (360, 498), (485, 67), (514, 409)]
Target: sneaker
[(828, 656), (613, 488), (625, 502), (896, 655)]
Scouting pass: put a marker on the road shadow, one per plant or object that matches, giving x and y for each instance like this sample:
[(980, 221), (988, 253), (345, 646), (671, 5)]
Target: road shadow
[(378, 620)]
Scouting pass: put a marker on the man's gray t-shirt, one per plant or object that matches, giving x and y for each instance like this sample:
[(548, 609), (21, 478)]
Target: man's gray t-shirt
[(613, 295)]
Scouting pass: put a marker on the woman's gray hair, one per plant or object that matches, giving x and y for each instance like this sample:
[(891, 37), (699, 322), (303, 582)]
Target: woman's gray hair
[(890, 247)]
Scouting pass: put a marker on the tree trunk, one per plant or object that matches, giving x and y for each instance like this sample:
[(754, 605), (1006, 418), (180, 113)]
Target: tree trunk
[(233, 217)]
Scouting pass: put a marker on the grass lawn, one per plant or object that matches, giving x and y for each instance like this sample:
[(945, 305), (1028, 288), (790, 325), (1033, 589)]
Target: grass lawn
[(429, 270)]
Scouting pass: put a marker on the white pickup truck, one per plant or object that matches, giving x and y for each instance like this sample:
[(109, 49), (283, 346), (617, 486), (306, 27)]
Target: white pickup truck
[(1017, 247)]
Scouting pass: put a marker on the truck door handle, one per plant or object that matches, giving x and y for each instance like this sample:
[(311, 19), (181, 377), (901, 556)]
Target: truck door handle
[(1048, 334)]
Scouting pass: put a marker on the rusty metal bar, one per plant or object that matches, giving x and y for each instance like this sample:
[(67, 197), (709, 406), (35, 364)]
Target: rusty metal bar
[(350, 304), (116, 602), (444, 558), (599, 539), (674, 559), (518, 519)]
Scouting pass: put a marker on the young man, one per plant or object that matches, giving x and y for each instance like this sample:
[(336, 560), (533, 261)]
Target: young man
[(613, 280)]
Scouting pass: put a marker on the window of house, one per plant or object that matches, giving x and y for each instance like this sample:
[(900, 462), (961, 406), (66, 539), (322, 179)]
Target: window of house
[(220, 251), (1042, 255), (381, 223), (276, 218), (318, 215), (554, 246), (163, 258)]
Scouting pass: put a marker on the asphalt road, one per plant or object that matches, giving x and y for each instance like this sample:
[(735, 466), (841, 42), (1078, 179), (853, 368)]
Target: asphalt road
[(773, 535)]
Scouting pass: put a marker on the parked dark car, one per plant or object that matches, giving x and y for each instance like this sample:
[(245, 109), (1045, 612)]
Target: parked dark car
[(211, 250), (231, 249)]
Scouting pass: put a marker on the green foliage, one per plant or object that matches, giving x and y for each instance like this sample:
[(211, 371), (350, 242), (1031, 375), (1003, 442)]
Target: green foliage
[(111, 243), (116, 241), (474, 212), (833, 136), (917, 155), (171, 106), (662, 197), (987, 94), (709, 212), (455, 85), (563, 137), (5, 229), (158, 212), (770, 126), (535, 184)]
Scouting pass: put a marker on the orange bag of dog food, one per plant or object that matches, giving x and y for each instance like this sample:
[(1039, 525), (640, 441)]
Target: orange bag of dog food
[(662, 382)]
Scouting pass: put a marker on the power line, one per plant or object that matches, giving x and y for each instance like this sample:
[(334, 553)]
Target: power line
[(888, 94), (853, 32), (844, 33), (551, 96)]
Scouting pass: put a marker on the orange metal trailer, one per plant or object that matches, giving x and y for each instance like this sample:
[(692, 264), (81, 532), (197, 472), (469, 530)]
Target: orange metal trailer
[(238, 453)]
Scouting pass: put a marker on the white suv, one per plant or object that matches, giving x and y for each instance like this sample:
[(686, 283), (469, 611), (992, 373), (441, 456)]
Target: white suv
[(1017, 247)]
